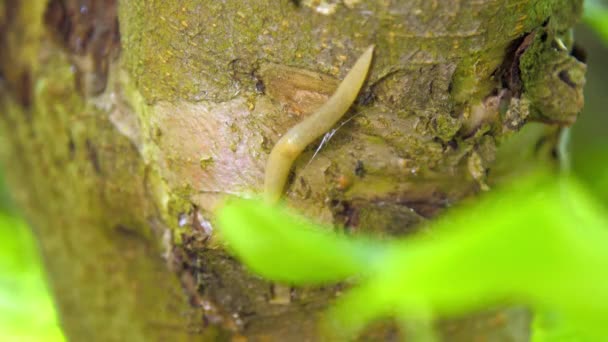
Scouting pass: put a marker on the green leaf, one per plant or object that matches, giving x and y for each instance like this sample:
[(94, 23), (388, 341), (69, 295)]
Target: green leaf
[(596, 16), (543, 246), (286, 248), (540, 243), (26, 309)]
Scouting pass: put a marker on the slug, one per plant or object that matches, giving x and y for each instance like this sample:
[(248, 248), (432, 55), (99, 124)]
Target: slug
[(289, 147)]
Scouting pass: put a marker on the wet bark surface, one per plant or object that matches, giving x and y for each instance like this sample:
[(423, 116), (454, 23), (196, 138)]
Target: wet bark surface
[(128, 122)]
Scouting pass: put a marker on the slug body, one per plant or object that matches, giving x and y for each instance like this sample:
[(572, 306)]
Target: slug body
[(289, 147)]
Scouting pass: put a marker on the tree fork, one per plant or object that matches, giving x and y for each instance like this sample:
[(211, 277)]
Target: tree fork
[(124, 124)]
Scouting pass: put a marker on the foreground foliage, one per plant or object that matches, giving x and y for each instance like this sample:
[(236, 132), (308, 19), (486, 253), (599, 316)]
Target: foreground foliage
[(541, 243), (26, 309)]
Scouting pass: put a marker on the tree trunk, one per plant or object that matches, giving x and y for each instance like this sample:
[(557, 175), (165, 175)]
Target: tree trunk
[(120, 144)]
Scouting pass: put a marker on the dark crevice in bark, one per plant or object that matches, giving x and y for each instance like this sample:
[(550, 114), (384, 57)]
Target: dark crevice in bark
[(188, 264), (24, 88), (509, 73), (93, 157), (88, 31), (579, 53), (15, 74)]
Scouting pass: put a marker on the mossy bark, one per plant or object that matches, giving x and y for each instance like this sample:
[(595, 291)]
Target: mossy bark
[(120, 146)]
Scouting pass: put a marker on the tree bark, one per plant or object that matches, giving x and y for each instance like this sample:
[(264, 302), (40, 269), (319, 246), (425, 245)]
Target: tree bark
[(126, 124)]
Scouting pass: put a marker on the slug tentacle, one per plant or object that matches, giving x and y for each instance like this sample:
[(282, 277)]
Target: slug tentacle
[(289, 147)]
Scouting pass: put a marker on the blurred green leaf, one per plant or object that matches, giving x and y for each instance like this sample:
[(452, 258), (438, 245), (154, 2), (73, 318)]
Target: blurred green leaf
[(550, 326), (596, 16), (542, 243), (26, 310), (288, 249)]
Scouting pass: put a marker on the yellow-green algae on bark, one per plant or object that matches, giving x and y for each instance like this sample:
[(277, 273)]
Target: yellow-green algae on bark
[(82, 187)]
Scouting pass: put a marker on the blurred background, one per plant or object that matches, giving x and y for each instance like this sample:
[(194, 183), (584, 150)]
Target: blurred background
[(589, 138), (26, 308)]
